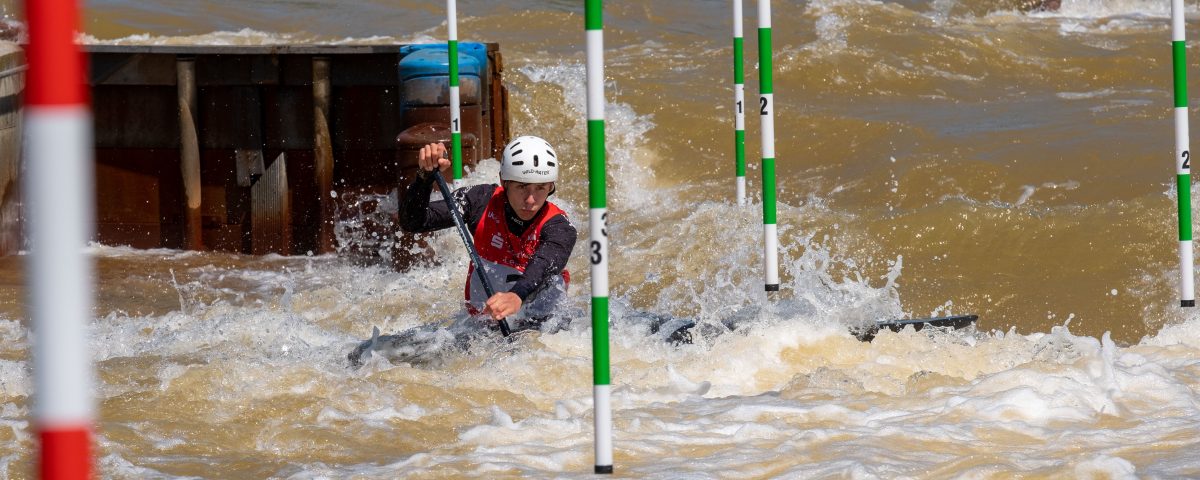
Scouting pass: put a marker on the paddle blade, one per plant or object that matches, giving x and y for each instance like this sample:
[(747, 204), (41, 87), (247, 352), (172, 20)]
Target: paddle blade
[(953, 321)]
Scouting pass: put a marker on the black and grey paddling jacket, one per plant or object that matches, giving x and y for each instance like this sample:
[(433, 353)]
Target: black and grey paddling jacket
[(554, 242)]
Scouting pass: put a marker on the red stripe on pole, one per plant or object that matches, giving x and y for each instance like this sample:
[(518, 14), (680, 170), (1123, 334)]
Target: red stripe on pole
[(66, 454), (56, 66)]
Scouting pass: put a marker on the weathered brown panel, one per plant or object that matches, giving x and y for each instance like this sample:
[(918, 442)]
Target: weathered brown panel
[(365, 70), (270, 211), (495, 135), (234, 69), (472, 122), (365, 118), (288, 117), (135, 187), (225, 206), (230, 117), (305, 201), (132, 69), (136, 116), (296, 70), (410, 141), (363, 168)]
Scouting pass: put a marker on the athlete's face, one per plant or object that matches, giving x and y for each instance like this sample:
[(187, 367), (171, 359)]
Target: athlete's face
[(527, 198)]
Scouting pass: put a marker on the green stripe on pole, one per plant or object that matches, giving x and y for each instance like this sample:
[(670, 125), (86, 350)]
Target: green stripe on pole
[(596, 158), (1185, 206), (739, 137), (739, 72), (456, 152), (1180, 64), (456, 163), (769, 193), (600, 368), (764, 60), (594, 19), (453, 63)]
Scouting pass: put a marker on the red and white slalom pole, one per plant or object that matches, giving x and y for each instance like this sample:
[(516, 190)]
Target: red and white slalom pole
[(58, 197)]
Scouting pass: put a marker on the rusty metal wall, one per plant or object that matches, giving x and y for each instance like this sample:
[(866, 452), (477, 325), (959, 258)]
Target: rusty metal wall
[(160, 110)]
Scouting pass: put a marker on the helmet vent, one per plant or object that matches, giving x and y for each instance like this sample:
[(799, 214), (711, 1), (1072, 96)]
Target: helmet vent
[(535, 160)]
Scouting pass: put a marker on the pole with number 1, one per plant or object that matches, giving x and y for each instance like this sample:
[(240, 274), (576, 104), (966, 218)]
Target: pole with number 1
[(455, 109)]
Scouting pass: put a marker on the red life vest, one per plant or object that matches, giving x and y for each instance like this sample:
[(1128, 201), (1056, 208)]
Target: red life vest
[(496, 244)]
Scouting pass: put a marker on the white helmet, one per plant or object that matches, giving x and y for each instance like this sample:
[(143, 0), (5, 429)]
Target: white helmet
[(529, 159)]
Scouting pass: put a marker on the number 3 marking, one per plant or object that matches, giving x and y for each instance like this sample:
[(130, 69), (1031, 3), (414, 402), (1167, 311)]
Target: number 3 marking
[(596, 256)]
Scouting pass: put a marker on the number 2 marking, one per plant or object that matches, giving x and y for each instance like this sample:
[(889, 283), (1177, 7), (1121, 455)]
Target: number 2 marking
[(762, 105), (1187, 162)]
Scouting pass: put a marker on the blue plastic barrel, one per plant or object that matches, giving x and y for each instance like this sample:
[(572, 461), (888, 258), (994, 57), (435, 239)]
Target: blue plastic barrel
[(425, 74)]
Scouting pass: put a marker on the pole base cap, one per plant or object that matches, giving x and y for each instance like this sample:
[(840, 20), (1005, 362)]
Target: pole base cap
[(604, 469), (1187, 303), (773, 288)]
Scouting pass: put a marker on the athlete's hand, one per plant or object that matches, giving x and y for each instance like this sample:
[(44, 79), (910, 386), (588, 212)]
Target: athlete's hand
[(502, 305), (433, 157)]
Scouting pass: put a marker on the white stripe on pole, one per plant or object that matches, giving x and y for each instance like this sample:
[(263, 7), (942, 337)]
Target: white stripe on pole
[(602, 395), (1181, 137), (1186, 260), (1177, 21), (60, 201), (737, 18), (595, 73), (739, 99), (768, 128), (597, 222), (771, 257)]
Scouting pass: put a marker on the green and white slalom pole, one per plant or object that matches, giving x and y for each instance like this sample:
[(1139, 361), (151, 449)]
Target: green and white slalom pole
[(455, 110), (766, 108), (739, 104), (598, 220), (1183, 177)]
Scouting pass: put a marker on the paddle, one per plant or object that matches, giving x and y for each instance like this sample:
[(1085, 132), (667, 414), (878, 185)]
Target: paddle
[(466, 238), (954, 321)]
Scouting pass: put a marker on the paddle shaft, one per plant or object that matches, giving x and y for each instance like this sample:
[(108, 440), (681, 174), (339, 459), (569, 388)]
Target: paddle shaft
[(466, 238)]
